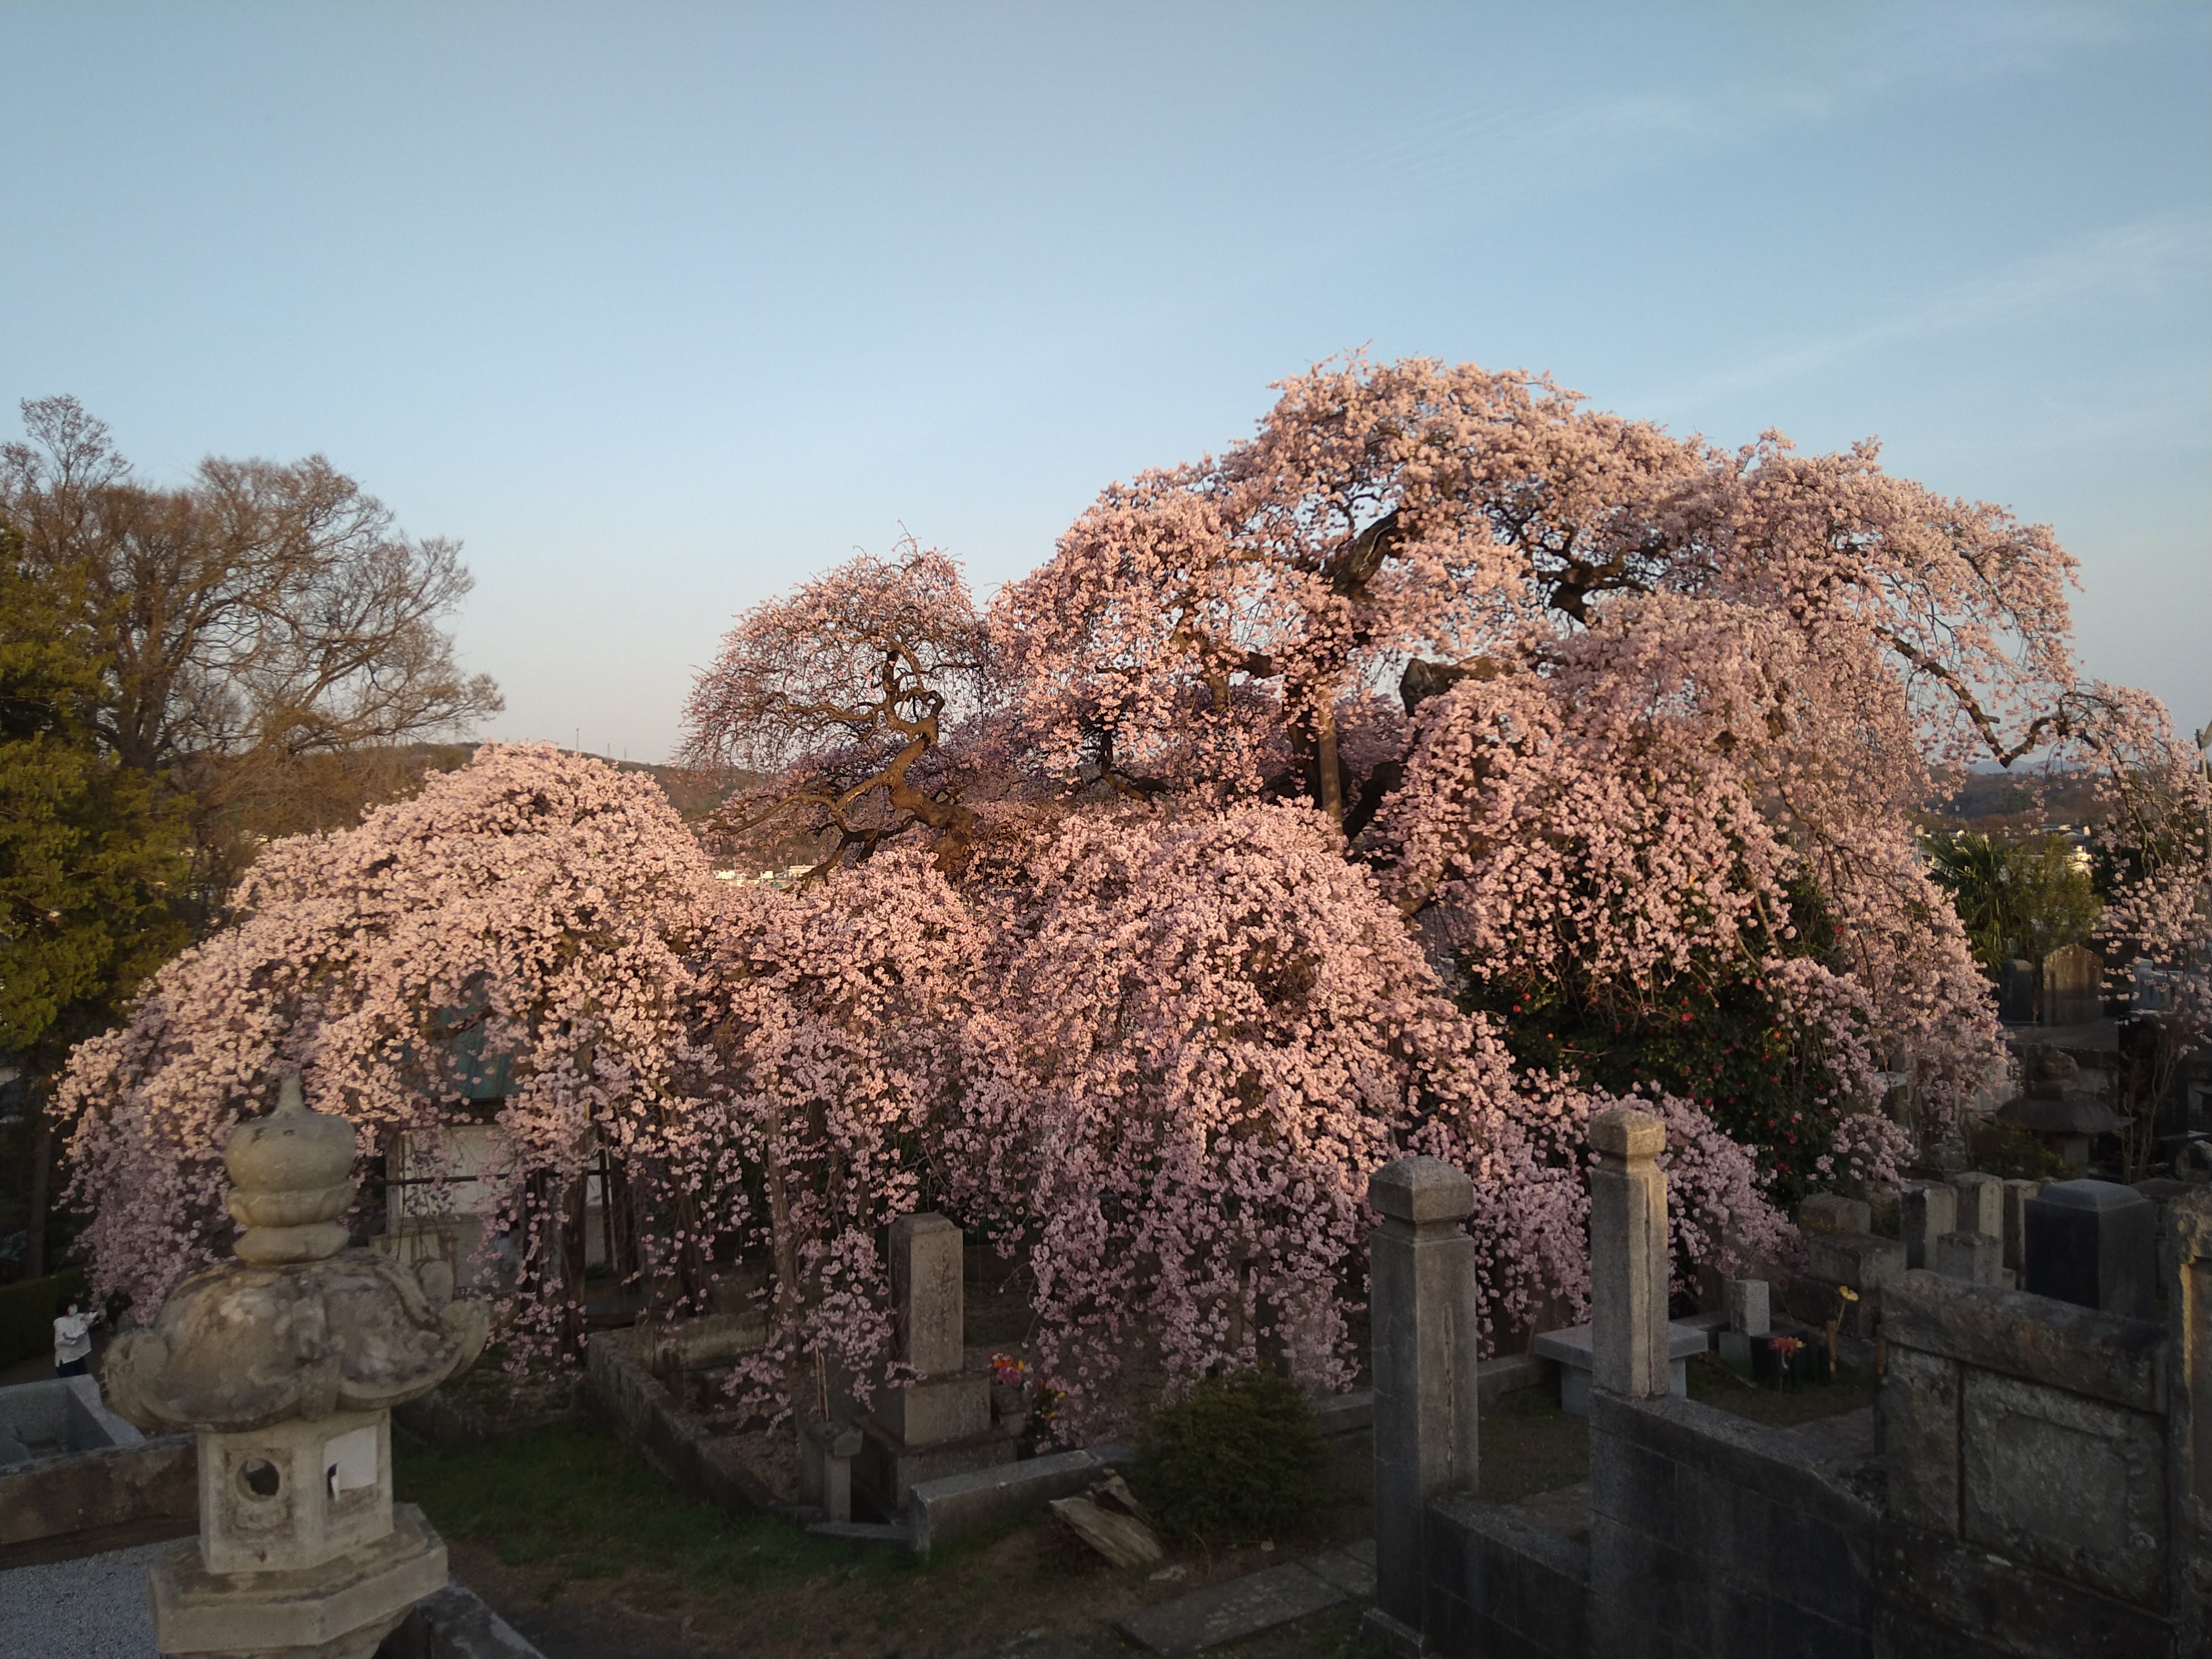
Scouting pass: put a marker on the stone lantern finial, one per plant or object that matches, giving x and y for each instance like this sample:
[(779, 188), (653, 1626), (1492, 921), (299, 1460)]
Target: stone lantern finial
[(286, 1362), (291, 1175)]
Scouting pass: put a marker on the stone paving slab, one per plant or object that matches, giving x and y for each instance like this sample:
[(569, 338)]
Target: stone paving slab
[(1230, 1611), (1351, 1569)]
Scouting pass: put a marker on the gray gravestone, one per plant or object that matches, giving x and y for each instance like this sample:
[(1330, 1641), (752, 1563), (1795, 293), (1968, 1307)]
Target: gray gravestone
[(1748, 1315), (1974, 1257), (1929, 1209), (1832, 1213), (1748, 1306), (1981, 1203), (2016, 993), (929, 1293), (2094, 1244), (2016, 1194)]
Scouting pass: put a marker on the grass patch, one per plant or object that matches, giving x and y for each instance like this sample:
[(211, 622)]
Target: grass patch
[(1711, 1383), (1528, 1445), (573, 1498)]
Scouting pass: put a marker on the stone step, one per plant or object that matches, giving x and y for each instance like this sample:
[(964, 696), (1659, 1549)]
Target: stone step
[(1259, 1600)]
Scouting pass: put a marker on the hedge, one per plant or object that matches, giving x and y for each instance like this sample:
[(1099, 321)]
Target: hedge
[(26, 1314)]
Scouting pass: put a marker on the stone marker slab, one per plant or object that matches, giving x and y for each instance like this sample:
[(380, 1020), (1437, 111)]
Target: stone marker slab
[(2016, 1194), (1351, 1569), (1748, 1309), (1572, 1350), (938, 1511), (929, 1293), (1929, 1209), (1981, 1203), (1973, 1256), (1123, 1540), (1832, 1213), (1863, 1261), (1229, 1612)]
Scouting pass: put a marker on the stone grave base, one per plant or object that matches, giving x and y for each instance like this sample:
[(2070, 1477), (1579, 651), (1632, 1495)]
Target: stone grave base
[(887, 1468), (341, 1610)]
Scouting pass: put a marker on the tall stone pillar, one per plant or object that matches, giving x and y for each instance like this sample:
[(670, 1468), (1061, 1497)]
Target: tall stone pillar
[(1424, 1312), (286, 1362), (1628, 1255), (2188, 1267)]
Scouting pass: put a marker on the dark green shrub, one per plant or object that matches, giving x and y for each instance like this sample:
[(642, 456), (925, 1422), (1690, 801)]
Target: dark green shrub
[(2001, 1148), (26, 1314), (1237, 1460)]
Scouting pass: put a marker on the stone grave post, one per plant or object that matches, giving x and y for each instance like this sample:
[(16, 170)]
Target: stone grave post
[(2188, 1264), (1981, 1203), (1974, 1257), (2094, 1243), (1748, 1315), (2016, 1194), (1928, 1209), (939, 1423), (929, 1293), (1628, 1255), (286, 1362), (1424, 1313)]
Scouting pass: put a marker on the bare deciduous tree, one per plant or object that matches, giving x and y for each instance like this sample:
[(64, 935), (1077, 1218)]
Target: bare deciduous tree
[(259, 615)]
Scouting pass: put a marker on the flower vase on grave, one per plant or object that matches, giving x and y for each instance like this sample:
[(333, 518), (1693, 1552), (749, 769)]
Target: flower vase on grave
[(1765, 1363), (1789, 1359), (1813, 1364)]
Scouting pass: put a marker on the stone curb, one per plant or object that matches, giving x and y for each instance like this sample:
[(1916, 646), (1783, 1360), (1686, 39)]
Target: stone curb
[(455, 1623), (939, 1511)]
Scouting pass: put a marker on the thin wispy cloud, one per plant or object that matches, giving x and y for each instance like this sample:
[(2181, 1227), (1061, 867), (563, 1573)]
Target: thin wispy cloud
[(1518, 142), (2147, 261)]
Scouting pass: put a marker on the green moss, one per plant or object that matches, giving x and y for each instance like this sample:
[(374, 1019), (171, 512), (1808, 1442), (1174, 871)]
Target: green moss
[(1237, 1460)]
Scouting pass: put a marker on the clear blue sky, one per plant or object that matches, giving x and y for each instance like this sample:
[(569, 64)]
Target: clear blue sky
[(658, 307)]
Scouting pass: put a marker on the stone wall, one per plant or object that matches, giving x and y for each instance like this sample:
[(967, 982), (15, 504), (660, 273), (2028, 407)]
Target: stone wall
[(2039, 1487), (1502, 1587), (2028, 1510), (1709, 1536), (1720, 1538), (149, 1489)]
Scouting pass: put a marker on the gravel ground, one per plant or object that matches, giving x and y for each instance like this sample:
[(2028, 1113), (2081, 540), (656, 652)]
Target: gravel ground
[(94, 1607)]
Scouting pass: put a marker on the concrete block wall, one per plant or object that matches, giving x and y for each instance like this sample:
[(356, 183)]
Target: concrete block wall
[(1712, 1537)]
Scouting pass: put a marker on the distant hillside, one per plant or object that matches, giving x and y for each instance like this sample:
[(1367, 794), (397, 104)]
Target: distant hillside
[(2007, 803)]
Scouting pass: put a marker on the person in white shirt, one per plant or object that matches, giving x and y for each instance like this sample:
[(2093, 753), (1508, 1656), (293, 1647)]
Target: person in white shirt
[(73, 1337)]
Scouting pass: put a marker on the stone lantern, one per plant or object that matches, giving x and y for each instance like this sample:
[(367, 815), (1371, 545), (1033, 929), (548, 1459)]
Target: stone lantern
[(287, 1362)]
